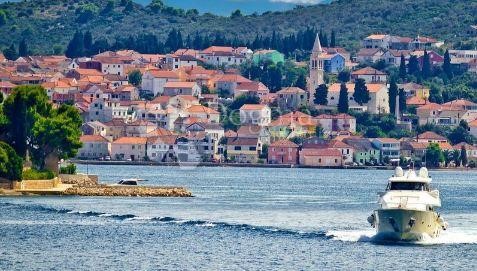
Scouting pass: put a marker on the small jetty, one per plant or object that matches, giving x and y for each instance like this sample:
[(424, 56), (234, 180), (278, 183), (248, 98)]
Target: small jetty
[(87, 185)]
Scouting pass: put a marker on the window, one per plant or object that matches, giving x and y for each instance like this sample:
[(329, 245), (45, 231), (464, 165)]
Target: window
[(237, 148), (253, 148)]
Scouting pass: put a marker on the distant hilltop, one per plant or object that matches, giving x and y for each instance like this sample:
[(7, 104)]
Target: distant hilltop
[(49, 24)]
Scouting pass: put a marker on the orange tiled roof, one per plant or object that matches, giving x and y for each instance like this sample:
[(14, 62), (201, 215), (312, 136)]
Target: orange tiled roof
[(431, 136), (201, 109), (92, 138), (180, 84), (284, 143), (253, 107), (131, 140)]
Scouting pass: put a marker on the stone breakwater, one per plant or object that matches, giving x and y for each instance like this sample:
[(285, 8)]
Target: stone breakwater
[(126, 191), (88, 185)]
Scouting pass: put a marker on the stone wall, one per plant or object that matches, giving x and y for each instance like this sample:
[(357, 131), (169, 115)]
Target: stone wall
[(38, 184), (79, 179), (6, 184)]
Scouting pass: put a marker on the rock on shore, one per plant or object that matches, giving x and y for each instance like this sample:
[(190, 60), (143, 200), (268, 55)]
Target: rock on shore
[(126, 191)]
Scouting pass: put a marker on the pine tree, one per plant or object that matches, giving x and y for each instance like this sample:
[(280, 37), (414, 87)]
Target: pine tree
[(393, 94), (23, 48), (402, 101), (463, 156), (76, 46), (402, 68), (301, 81), (333, 39), (321, 95), (343, 105), (88, 42), (361, 92), (11, 53), (447, 65), (413, 66), (426, 66)]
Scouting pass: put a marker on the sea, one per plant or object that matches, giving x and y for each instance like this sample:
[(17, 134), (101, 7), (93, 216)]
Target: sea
[(238, 219)]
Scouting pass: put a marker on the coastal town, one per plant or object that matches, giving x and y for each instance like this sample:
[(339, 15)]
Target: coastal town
[(205, 106)]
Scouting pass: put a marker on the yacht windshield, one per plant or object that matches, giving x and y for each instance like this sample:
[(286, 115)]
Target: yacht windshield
[(409, 186)]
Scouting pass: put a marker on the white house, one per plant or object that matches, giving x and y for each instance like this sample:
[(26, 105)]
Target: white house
[(182, 88), (378, 103), (94, 147), (161, 148), (257, 114), (333, 124), (154, 80), (129, 148)]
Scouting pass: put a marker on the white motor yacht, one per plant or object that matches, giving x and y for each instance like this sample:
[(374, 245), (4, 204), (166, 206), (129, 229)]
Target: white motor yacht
[(407, 208)]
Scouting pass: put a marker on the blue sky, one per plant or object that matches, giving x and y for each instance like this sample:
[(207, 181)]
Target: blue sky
[(225, 7)]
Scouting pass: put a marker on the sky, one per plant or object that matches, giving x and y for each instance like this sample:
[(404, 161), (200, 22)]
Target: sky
[(226, 7)]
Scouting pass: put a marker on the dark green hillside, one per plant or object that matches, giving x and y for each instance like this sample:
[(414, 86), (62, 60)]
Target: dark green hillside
[(47, 24)]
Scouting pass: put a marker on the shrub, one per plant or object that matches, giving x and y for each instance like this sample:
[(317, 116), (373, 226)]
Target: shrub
[(11, 164), (33, 174), (69, 169)]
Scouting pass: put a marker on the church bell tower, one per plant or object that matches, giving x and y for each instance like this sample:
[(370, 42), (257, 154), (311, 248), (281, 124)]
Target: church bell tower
[(316, 67)]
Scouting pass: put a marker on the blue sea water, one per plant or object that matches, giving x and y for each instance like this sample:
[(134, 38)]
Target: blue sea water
[(239, 219)]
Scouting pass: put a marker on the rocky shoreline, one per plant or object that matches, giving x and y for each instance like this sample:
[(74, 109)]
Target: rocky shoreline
[(88, 186), (122, 191)]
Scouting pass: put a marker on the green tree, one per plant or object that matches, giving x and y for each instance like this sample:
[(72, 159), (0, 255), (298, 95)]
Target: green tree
[(108, 8), (10, 53), (393, 94), (11, 165), (333, 39), (86, 12), (156, 6), (301, 81), (463, 156), (88, 43), (374, 132), (321, 95), (75, 47), (135, 78), (402, 101), (57, 134), (447, 67), (236, 14), (344, 76), (3, 17), (23, 48), (319, 131), (129, 7), (402, 68), (426, 66), (434, 155), (361, 92), (461, 134), (456, 157), (413, 66), (343, 104), (22, 108)]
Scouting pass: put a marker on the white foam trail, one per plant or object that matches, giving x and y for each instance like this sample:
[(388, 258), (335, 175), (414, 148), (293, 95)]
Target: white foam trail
[(352, 236), (453, 236), (207, 225)]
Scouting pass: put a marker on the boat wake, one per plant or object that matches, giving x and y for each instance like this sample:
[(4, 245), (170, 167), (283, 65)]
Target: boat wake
[(175, 221), (451, 236)]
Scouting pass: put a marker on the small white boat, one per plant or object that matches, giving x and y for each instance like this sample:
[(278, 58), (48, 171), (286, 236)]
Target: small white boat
[(129, 182), (407, 208)]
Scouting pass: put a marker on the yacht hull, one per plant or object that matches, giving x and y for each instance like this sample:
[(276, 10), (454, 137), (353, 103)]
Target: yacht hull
[(406, 225)]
